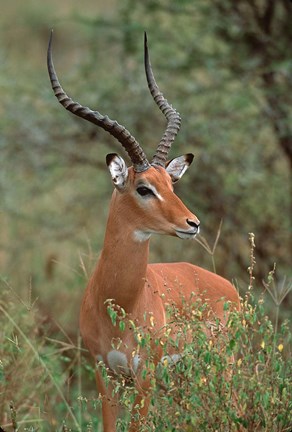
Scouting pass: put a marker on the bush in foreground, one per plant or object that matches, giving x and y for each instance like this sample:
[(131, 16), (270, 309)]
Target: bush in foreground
[(234, 380)]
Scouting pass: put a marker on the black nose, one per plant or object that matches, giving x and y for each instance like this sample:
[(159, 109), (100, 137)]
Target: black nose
[(193, 224)]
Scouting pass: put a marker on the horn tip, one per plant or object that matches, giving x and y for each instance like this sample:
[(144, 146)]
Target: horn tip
[(145, 40), (50, 40)]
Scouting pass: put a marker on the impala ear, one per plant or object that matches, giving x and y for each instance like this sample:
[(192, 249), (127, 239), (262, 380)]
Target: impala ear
[(177, 167), (118, 170)]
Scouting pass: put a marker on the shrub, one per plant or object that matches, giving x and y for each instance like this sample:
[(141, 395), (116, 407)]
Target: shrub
[(234, 380)]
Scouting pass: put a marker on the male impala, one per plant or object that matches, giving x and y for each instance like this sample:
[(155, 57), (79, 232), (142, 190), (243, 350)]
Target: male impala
[(143, 203)]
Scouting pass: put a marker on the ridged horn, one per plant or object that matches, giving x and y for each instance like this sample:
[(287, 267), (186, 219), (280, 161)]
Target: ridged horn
[(133, 148), (172, 116)]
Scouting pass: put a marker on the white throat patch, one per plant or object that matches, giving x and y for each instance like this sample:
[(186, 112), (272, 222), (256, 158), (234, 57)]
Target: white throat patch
[(141, 236)]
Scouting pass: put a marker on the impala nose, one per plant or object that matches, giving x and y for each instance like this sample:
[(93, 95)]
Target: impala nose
[(194, 224)]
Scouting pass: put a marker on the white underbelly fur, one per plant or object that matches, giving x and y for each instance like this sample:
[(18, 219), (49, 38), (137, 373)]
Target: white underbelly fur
[(118, 362)]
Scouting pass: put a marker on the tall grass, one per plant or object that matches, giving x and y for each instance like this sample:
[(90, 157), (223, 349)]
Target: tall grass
[(234, 380), (41, 372)]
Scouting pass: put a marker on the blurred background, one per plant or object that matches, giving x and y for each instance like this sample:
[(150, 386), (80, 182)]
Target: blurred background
[(225, 66)]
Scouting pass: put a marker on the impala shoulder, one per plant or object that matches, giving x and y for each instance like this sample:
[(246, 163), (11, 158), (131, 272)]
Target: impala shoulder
[(216, 286)]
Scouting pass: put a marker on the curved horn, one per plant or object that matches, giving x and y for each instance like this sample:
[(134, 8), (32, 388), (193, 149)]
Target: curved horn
[(172, 116), (133, 148)]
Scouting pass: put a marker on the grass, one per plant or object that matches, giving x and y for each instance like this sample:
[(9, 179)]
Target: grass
[(40, 372), (47, 382), (38, 358)]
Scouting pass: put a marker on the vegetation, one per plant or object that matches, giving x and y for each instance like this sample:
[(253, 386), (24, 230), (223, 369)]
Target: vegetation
[(204, 391), (239, 380), (226, 66)]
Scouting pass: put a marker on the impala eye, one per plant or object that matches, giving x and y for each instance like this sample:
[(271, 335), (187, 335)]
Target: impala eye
[(144, 191)]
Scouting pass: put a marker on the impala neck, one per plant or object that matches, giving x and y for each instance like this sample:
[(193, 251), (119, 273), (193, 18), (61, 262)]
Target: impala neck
[(121, 270)]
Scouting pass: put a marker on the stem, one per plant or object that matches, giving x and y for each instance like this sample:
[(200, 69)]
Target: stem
[(213, 263), (276, 327), (252, 260), (79, 377)]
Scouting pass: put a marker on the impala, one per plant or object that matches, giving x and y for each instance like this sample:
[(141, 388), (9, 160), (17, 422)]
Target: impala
[(143, 203)]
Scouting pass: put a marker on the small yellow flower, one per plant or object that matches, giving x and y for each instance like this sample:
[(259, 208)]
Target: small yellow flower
[(199, 314), (168, 331), (165, 362), (280, 347), (239, 362), (203, 381), (263, 344)]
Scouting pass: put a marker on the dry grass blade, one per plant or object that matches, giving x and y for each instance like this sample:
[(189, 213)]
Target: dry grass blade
[(204, 243), (13, 416), (278, 291)]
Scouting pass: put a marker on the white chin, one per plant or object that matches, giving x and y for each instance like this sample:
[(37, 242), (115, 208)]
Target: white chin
[(185, 235)]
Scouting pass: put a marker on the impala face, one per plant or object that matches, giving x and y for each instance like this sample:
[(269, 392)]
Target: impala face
[(151, 204)]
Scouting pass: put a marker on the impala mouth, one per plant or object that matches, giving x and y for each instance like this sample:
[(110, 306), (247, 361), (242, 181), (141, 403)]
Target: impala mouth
[(187, 234)]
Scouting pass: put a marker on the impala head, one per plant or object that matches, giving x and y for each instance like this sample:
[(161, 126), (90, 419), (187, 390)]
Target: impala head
[(148, 200), (145, 190)]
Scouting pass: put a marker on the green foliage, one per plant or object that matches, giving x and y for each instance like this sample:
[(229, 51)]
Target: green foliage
[(212, 69), (238, 378)]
